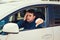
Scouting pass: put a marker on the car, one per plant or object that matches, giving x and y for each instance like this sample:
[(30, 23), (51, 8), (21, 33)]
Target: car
[(12, 13)]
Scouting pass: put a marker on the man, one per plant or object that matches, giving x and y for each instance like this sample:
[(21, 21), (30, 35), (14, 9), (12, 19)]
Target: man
[(30, 20)]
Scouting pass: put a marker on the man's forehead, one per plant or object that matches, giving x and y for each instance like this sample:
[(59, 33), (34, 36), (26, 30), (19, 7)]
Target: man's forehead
[(29, 13)]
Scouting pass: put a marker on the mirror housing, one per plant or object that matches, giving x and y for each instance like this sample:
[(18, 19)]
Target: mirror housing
[(10, 28)]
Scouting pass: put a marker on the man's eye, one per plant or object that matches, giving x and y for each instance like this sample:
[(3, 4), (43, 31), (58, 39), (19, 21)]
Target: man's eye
[(30, 15)]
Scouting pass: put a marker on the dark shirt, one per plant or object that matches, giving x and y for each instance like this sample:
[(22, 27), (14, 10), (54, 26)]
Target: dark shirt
[(27, 25)]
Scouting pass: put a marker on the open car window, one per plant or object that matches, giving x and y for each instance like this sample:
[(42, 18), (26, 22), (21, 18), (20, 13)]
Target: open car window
[(18, 15)]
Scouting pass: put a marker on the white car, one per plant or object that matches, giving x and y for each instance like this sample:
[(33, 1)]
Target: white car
[(11, 13)]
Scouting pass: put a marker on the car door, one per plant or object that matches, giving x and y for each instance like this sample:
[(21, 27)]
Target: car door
[(36, 34), (44, 33)]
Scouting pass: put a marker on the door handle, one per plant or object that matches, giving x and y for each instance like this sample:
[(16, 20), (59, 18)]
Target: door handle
[(47, 36)]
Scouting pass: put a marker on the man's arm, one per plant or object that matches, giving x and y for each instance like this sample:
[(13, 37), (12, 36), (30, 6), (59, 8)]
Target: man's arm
[(39, 21), (20, 23)]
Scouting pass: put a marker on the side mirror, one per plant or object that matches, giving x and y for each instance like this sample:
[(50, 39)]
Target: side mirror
[(10, 28)]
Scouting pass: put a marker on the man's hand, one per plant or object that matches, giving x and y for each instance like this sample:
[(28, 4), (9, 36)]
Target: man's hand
[(25, 17), (38, 21)]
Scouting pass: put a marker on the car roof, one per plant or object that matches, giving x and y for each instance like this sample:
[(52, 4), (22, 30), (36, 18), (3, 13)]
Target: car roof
[(9, 7)]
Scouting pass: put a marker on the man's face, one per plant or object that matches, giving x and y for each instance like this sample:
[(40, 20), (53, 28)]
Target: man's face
[(29, 17)]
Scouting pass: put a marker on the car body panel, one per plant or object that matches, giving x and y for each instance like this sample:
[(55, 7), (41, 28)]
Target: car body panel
[(57, 33), (36, 34)]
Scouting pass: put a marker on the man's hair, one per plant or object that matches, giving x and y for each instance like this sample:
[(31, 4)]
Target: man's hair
[(32, 11), (36, 13)]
